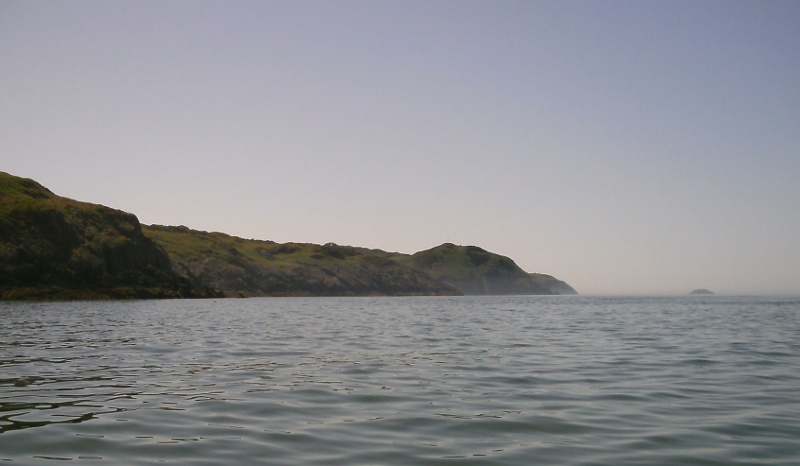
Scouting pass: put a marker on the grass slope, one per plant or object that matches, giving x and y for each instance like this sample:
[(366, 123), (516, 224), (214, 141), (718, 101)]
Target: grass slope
[(475, 271), (247, 267)]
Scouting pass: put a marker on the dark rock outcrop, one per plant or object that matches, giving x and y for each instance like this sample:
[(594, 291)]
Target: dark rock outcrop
[(57, 248)]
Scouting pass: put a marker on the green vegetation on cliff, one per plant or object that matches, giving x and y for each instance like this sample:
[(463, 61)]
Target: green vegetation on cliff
[(247, 267), (475, 271), (57, 248), (256, 268)]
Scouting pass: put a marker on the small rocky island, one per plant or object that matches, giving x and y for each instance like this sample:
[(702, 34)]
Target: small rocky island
[(702, 291)]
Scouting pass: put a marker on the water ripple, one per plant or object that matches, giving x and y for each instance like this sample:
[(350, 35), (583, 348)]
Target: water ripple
[(554, 380)]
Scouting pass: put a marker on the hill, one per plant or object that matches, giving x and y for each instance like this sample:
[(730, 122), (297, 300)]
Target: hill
[(57, 248), (52, 247), (475, 271), (250, 267)]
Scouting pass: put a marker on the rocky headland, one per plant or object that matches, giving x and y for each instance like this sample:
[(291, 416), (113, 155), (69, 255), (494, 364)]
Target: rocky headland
[(53, 247), (57, 248), (475, 271)]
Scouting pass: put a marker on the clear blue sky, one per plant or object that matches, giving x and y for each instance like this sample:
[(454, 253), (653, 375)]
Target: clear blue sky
[(622, 146)]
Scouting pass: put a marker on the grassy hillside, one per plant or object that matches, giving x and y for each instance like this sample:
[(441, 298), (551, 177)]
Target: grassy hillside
[(475, 271), (255, 268), (57, 248)]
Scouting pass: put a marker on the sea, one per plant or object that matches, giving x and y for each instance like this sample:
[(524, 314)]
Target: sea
[(512, 380)]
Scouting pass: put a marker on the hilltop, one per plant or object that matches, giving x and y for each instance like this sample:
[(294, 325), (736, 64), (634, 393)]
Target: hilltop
[(475, 271), (53, 247), (57, 248)]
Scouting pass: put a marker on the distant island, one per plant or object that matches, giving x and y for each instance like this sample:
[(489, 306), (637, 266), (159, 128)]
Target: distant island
[(701, 291), (53, 247)]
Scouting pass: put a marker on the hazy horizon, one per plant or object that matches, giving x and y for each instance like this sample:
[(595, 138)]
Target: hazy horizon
[(627, 148)]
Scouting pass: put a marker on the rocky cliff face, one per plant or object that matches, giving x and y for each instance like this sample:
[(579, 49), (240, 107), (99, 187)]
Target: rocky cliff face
[(52, 248)]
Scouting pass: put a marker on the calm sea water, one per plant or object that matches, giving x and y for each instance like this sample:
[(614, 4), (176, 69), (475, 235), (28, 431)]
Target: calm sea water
[(565, 380)]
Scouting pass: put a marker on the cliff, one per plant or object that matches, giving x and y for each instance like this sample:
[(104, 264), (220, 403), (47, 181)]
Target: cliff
[(52, 247), (57, 248), (264, 268), (475, 271)]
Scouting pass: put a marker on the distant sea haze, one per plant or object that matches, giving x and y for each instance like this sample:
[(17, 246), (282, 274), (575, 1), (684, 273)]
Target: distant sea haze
[(515, 380)]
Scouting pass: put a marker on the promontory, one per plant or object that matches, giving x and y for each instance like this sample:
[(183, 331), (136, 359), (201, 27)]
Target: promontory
[(53, 247)]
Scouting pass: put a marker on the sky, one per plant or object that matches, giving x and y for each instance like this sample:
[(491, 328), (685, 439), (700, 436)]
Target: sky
[(625, 147)]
